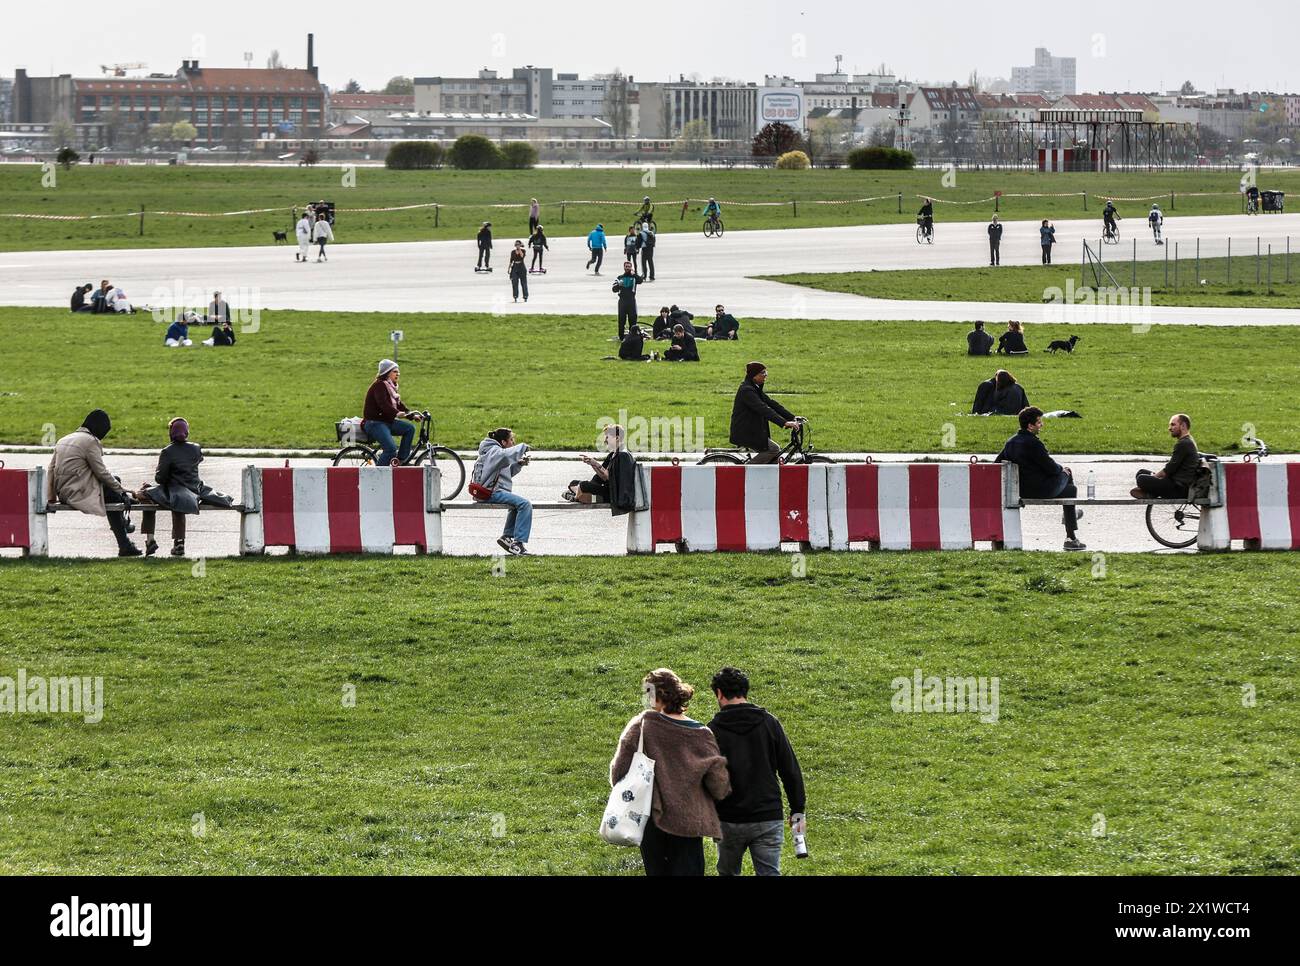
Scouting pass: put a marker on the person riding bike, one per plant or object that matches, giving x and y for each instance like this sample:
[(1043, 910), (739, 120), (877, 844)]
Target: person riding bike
[(1109, 215), (384, 415), (1155, 219), (925, 217), (713, 210), (646, 212), (752, 410), (1252, 200)]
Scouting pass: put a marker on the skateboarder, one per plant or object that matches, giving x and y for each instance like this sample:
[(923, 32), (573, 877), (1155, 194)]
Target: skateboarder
[(484, 248)]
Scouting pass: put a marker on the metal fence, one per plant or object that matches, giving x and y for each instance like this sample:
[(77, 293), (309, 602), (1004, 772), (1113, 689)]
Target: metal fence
[(1250, 265)]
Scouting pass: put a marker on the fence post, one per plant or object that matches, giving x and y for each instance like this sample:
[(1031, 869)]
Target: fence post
[(900, 202), (1135, 263), (1085, 201), (1166, 248), (1270, 268), (1175, 266), (794, 206), (1198, 259), (1256, 259), (435, 215), (1171, 201), (562, 207), (1288, 259), (142, 219), (1229, 259)]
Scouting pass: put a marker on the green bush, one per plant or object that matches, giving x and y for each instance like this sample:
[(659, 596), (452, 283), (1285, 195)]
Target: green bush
[(67, 157), (413, 155), (876, 158), (519, 155), (793, 161), (474, 152)]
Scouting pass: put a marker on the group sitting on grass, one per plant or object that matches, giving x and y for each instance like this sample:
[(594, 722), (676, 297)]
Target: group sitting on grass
[(107, 299)]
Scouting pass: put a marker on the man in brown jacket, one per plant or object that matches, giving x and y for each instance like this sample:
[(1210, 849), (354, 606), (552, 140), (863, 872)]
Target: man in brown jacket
[(79, 478), (690, 776)]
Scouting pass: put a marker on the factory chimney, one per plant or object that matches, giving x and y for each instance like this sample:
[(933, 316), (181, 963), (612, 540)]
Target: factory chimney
[(311, 54)]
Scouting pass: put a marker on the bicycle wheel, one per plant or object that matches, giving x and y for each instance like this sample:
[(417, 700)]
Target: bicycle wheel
[(1174, 525), (452, 468), (815, 458), (708, 229), (920, 235), (356, 456), (717, 231), (730, 458)]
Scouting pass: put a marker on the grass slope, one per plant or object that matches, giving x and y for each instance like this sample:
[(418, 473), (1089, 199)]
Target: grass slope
[(494, 703), (874, 386), (204, 188)]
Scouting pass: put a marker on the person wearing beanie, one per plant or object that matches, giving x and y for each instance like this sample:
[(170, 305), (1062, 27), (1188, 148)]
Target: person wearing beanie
[(752, 410), (178, 488), (484, 263), (78, 477), (384, 415), (79, 303)]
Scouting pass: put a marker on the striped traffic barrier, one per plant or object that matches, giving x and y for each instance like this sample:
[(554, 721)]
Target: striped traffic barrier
[(1260, 507), (340, 509), (725, 507), (23, 522), (923, 506)]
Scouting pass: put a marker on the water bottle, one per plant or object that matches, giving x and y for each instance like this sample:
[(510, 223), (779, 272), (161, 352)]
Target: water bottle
[(1092, 485), (800, 846)]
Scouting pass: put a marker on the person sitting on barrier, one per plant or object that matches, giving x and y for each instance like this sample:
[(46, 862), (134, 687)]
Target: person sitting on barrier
[(499, 459), (752, 410), (724, 325), (178, 333), (1001, 396), (663, 327), (631, 349), (178, 488), (384, 416), (1012, 341), (1176, 478), (79, 303), (978, 342), (615, 479), (78, 477), (1041, 477), (683, 348)]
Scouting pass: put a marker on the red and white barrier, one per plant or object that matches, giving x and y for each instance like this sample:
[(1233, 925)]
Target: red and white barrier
[(1260, 506), (921, 506), (722, 507), (22, 511), (340, 509)]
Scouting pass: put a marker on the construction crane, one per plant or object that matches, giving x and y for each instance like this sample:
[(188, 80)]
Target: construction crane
[(119, 70)]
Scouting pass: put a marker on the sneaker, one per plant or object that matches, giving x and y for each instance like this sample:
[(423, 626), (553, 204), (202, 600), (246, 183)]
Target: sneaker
[(1137, 493), (506, 543), (150, 547), (1073, 543), (568, 497), (130, 550), (178, 548), (518, 549)]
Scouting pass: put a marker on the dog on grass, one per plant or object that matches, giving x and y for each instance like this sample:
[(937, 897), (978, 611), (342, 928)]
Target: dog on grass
[(1062, 345), (280, 235)]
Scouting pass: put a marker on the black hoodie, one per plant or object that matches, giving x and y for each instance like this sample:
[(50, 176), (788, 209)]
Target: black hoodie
[(757, 750)]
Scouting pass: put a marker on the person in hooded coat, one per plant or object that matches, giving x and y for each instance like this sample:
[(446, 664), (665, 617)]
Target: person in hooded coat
[(78, 477), (178, 488)]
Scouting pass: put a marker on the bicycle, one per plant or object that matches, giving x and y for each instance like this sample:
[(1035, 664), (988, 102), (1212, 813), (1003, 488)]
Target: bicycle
[(796, 452), (1110, 233), (924, 232), (713, 227), (1252, 205), (358, 453), (1177, 525), (642, 218)]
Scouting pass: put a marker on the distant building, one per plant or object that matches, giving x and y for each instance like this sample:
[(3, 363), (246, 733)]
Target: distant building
[(498, 126), (6, 99), (730, 110), (932, 107), (485, 94), (368, 106), (1054, 76)]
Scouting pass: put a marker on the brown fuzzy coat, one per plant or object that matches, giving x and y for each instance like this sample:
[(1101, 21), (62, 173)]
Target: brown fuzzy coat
[(690, 773)]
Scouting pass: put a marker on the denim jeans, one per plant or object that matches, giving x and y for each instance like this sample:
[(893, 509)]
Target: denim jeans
[(382, 433), (519, 521), (762, 840)]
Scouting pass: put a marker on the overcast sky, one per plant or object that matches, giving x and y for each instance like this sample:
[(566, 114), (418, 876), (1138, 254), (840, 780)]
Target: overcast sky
[(1119, 44)]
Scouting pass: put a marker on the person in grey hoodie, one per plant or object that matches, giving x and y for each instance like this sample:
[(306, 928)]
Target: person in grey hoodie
[(499, 459)]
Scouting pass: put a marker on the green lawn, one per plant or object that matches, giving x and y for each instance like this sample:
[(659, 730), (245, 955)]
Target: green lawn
[(489, 704), (471, 195), (875, 386), (1172, 283)]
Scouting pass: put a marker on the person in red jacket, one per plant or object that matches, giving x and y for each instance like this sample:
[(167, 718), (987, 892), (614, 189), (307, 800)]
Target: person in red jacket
[(383, 412)]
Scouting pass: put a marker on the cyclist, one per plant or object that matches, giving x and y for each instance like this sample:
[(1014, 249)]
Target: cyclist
[(1252, 200), (646, 212), (384, 416), (925, 217), (1155, 219), (752, 410), (1109, 215), (713, 210)]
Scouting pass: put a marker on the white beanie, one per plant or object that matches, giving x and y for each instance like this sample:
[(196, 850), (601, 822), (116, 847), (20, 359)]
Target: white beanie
[(385, 367)]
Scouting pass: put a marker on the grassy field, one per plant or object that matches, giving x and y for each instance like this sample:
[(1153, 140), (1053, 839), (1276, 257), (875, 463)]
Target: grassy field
[(873, 386), (471, 197), (483, 724), (1171, 284)]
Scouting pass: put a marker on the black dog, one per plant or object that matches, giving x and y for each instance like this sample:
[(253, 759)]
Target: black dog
[(281, 235), (1062, 344)]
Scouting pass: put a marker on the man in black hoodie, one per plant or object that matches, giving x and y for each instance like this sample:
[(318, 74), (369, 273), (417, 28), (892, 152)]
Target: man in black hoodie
[(757, 751)]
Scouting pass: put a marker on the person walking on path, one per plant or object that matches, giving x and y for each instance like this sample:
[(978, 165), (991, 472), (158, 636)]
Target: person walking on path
[(995, 241), (596, 246), (647, 252), (534, 215), (484, 263), (1047, 238), (537, 241), (518, 270), (322, 233), (690, 776), (302, 230)]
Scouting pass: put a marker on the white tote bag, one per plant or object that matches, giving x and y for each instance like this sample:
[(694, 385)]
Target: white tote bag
[(631, 800)]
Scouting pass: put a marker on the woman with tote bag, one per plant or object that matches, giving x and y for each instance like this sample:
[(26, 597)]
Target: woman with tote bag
[(687, 772)]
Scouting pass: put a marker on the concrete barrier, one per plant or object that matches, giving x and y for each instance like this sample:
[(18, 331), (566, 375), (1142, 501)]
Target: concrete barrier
[(924, 506), (339, 509), (1260, 506), (22, 511), (727, 507)]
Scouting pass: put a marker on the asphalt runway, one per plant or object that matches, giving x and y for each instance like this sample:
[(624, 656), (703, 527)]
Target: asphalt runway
[(565, 531), (693, 271)]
